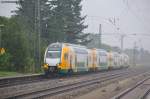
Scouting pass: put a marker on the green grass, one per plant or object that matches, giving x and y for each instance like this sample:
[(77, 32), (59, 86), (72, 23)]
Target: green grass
[(7, 74)]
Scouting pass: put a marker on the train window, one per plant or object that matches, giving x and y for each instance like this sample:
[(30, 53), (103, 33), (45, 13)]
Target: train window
[(89, 58), (55, 47), (53, 54), (99, 61), (66, 56), (103, 54), (87, 61), (81, 51)]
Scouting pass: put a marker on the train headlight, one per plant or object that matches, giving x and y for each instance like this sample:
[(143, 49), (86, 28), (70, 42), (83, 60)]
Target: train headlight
[(45, 66), (58, 64)]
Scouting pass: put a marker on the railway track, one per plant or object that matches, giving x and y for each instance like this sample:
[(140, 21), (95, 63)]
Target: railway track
[(73, 86), (67, 87), (146, 95), (140, 91), (60, 89), (11, 81), (52, 87), (12, 90)]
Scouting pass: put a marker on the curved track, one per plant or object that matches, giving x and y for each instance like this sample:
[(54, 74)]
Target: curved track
[(136, 92), (56, 90), (13, 81), (146, 95), (52, 87), (69, 87)]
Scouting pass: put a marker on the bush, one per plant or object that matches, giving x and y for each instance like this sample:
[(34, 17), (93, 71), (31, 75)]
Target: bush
[(5, 61), (30, 66)]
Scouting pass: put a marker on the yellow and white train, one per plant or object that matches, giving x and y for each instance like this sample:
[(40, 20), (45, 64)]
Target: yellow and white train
[(65, 58)]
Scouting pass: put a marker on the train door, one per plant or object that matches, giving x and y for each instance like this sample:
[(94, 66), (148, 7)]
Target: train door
[(94, 60), (81, 59), (110, 60), (103, 60)]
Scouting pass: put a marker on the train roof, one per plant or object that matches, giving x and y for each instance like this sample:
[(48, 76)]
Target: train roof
[(53, 44), (75, 45), (67, 44), (101, 50), (59, 44)]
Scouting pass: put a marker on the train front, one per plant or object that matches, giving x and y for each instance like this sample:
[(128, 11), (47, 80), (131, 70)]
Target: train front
[(52, 58)]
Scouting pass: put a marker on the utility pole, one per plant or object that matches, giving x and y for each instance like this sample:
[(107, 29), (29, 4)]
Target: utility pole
[(134, 54), (100, 34), (140, 56), (39, 34), (122, 41), (37, 42), (1, 25)]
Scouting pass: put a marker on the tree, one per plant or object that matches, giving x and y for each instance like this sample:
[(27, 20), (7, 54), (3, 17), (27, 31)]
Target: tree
[(28, 14), (16, 44), (68, 20), (5, 61), (60, 20)]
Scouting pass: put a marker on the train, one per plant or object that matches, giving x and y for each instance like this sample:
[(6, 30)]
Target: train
[(66, 58)]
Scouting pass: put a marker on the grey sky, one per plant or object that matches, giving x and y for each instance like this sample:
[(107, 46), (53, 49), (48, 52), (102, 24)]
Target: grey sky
[(5, 9), (132, 16)]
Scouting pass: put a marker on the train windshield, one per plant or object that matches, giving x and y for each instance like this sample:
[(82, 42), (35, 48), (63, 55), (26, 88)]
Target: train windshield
[(53, 54)]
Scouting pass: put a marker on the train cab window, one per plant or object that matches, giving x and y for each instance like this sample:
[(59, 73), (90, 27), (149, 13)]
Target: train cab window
[(53, 54)]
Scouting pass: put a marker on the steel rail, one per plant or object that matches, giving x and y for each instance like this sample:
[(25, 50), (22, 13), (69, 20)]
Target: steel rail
[(69, 87), (10, 81), (146, 94), (84, 79), (127, 91)]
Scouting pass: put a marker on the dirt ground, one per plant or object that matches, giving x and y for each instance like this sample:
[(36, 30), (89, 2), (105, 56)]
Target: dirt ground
[(109, 91)]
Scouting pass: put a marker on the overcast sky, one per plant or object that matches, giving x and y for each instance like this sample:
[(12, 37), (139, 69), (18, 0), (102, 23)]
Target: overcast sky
[(131, 16)]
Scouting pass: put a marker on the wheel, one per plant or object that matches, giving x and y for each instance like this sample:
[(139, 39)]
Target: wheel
[(46, 73), (70, 72)]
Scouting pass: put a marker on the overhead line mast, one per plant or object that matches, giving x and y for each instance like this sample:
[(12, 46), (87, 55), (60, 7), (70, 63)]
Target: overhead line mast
[(100, 33)]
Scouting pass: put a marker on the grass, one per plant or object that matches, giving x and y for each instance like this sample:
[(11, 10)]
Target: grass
[(8, 74)]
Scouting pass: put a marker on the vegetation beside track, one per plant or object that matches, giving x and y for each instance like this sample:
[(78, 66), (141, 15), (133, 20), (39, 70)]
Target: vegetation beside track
[(7, 73), (12, 74)]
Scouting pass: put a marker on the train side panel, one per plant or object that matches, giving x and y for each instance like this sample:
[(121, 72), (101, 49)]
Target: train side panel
[(94, 66), (81, 59), (64, 65), (110, 60), (103, 59), (68, 58), (74, 59)]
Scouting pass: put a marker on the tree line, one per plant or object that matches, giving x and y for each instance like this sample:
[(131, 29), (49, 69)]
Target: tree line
[(59, 21), (55, 20)]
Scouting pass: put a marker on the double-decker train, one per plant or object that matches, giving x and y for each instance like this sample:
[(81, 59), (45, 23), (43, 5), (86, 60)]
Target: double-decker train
[(65, 58)]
